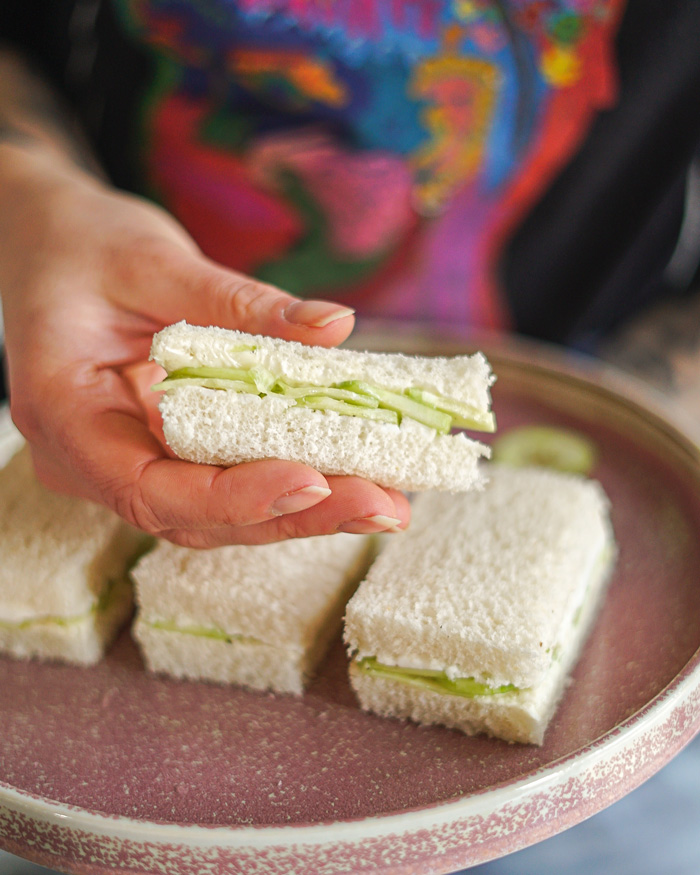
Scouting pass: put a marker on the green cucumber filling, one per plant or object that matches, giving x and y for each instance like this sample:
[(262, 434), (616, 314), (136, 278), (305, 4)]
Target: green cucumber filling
[(112, 592), (429, 679), (200, 631), (469, 687), (546, 447), (349, 398)]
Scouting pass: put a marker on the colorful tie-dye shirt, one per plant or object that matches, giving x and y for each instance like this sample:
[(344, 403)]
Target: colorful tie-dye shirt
[(379, 152)]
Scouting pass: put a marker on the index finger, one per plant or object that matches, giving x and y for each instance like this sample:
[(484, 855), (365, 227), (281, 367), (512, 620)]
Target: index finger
[(135, 477), (205, 505)]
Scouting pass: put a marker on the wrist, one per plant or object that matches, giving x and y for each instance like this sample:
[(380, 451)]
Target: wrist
[(38, 185), (30, 167)]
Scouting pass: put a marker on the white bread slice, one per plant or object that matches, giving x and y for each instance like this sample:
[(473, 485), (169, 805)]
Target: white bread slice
[(500, 586), (226, 428), (260, 616), (82, 640), (465, 378), (64, 563)]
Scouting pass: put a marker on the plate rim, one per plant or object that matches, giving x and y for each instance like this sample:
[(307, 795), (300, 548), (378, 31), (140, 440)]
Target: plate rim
[(682, 692), (679, 689)]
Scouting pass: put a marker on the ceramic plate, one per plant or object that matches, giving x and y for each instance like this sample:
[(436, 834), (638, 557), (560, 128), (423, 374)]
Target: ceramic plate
[(108, 769)]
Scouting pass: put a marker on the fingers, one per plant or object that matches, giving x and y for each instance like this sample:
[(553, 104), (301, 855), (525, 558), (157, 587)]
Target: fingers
[(76, 322), (185, 285), (253, 503), (112, 451), (354, 505), (214, 296), (346, 504)]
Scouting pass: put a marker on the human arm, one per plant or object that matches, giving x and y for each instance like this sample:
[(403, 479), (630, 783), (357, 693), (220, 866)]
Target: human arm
[(87, 275)]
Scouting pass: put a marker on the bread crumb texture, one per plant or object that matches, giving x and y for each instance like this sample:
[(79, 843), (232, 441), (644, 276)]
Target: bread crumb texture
[(226, 428), (279, 594), (481, 583), (57, 550), (464, 377)]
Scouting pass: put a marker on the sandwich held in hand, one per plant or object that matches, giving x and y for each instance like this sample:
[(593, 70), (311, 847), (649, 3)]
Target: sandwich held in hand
[(64, 590), (474, 617), (259, 616), (231, 397)]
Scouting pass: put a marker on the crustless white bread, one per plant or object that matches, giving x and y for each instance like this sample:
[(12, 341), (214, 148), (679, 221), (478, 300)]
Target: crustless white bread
[(64, 592), (474, 617), (259, 616), (232, 397)]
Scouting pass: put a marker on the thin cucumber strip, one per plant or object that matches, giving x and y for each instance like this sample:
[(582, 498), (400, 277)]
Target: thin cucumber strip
[(206, 383), (259, 376), (216, 373), (436, 681), (403, 405), (114, 589), (463, 415), (322, 402), (330, 392), (212, 632), (355, 396)]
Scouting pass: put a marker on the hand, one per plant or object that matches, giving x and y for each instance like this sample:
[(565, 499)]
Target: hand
[(88, 275)]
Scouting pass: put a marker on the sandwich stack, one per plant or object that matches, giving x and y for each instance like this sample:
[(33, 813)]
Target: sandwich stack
[(259, 616), (64, 589), (474, 617), (231, 397)]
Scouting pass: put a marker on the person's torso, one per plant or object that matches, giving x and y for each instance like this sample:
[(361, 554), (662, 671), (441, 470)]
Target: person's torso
[(376, 152)]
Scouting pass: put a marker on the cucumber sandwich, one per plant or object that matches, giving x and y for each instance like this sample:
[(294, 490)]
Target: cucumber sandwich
[(259, 616), (474, 617), (231, 397), (64, 589)]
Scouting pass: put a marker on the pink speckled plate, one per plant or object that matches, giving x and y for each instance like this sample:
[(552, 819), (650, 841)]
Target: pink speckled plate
[(107, 769)]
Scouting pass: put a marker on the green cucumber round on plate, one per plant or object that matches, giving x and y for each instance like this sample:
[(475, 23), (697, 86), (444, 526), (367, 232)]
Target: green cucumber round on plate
[(547, 447)]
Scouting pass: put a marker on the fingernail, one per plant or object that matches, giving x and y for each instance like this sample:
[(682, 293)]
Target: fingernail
[(370, 525), (315, 314), (293, 502)]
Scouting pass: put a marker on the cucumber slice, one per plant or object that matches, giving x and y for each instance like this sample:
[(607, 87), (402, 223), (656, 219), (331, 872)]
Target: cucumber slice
[(215, 373), (115, 589), (429, 679), (324, 402), (48, 620), (260, 377), (403, 405), (354, 397), (463, 415), (264, 380), (197, 631), (206, 383), (212, 632), (330, 392), (546, 447)]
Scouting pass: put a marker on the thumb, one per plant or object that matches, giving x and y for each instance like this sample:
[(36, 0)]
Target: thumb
[(202, 292)]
